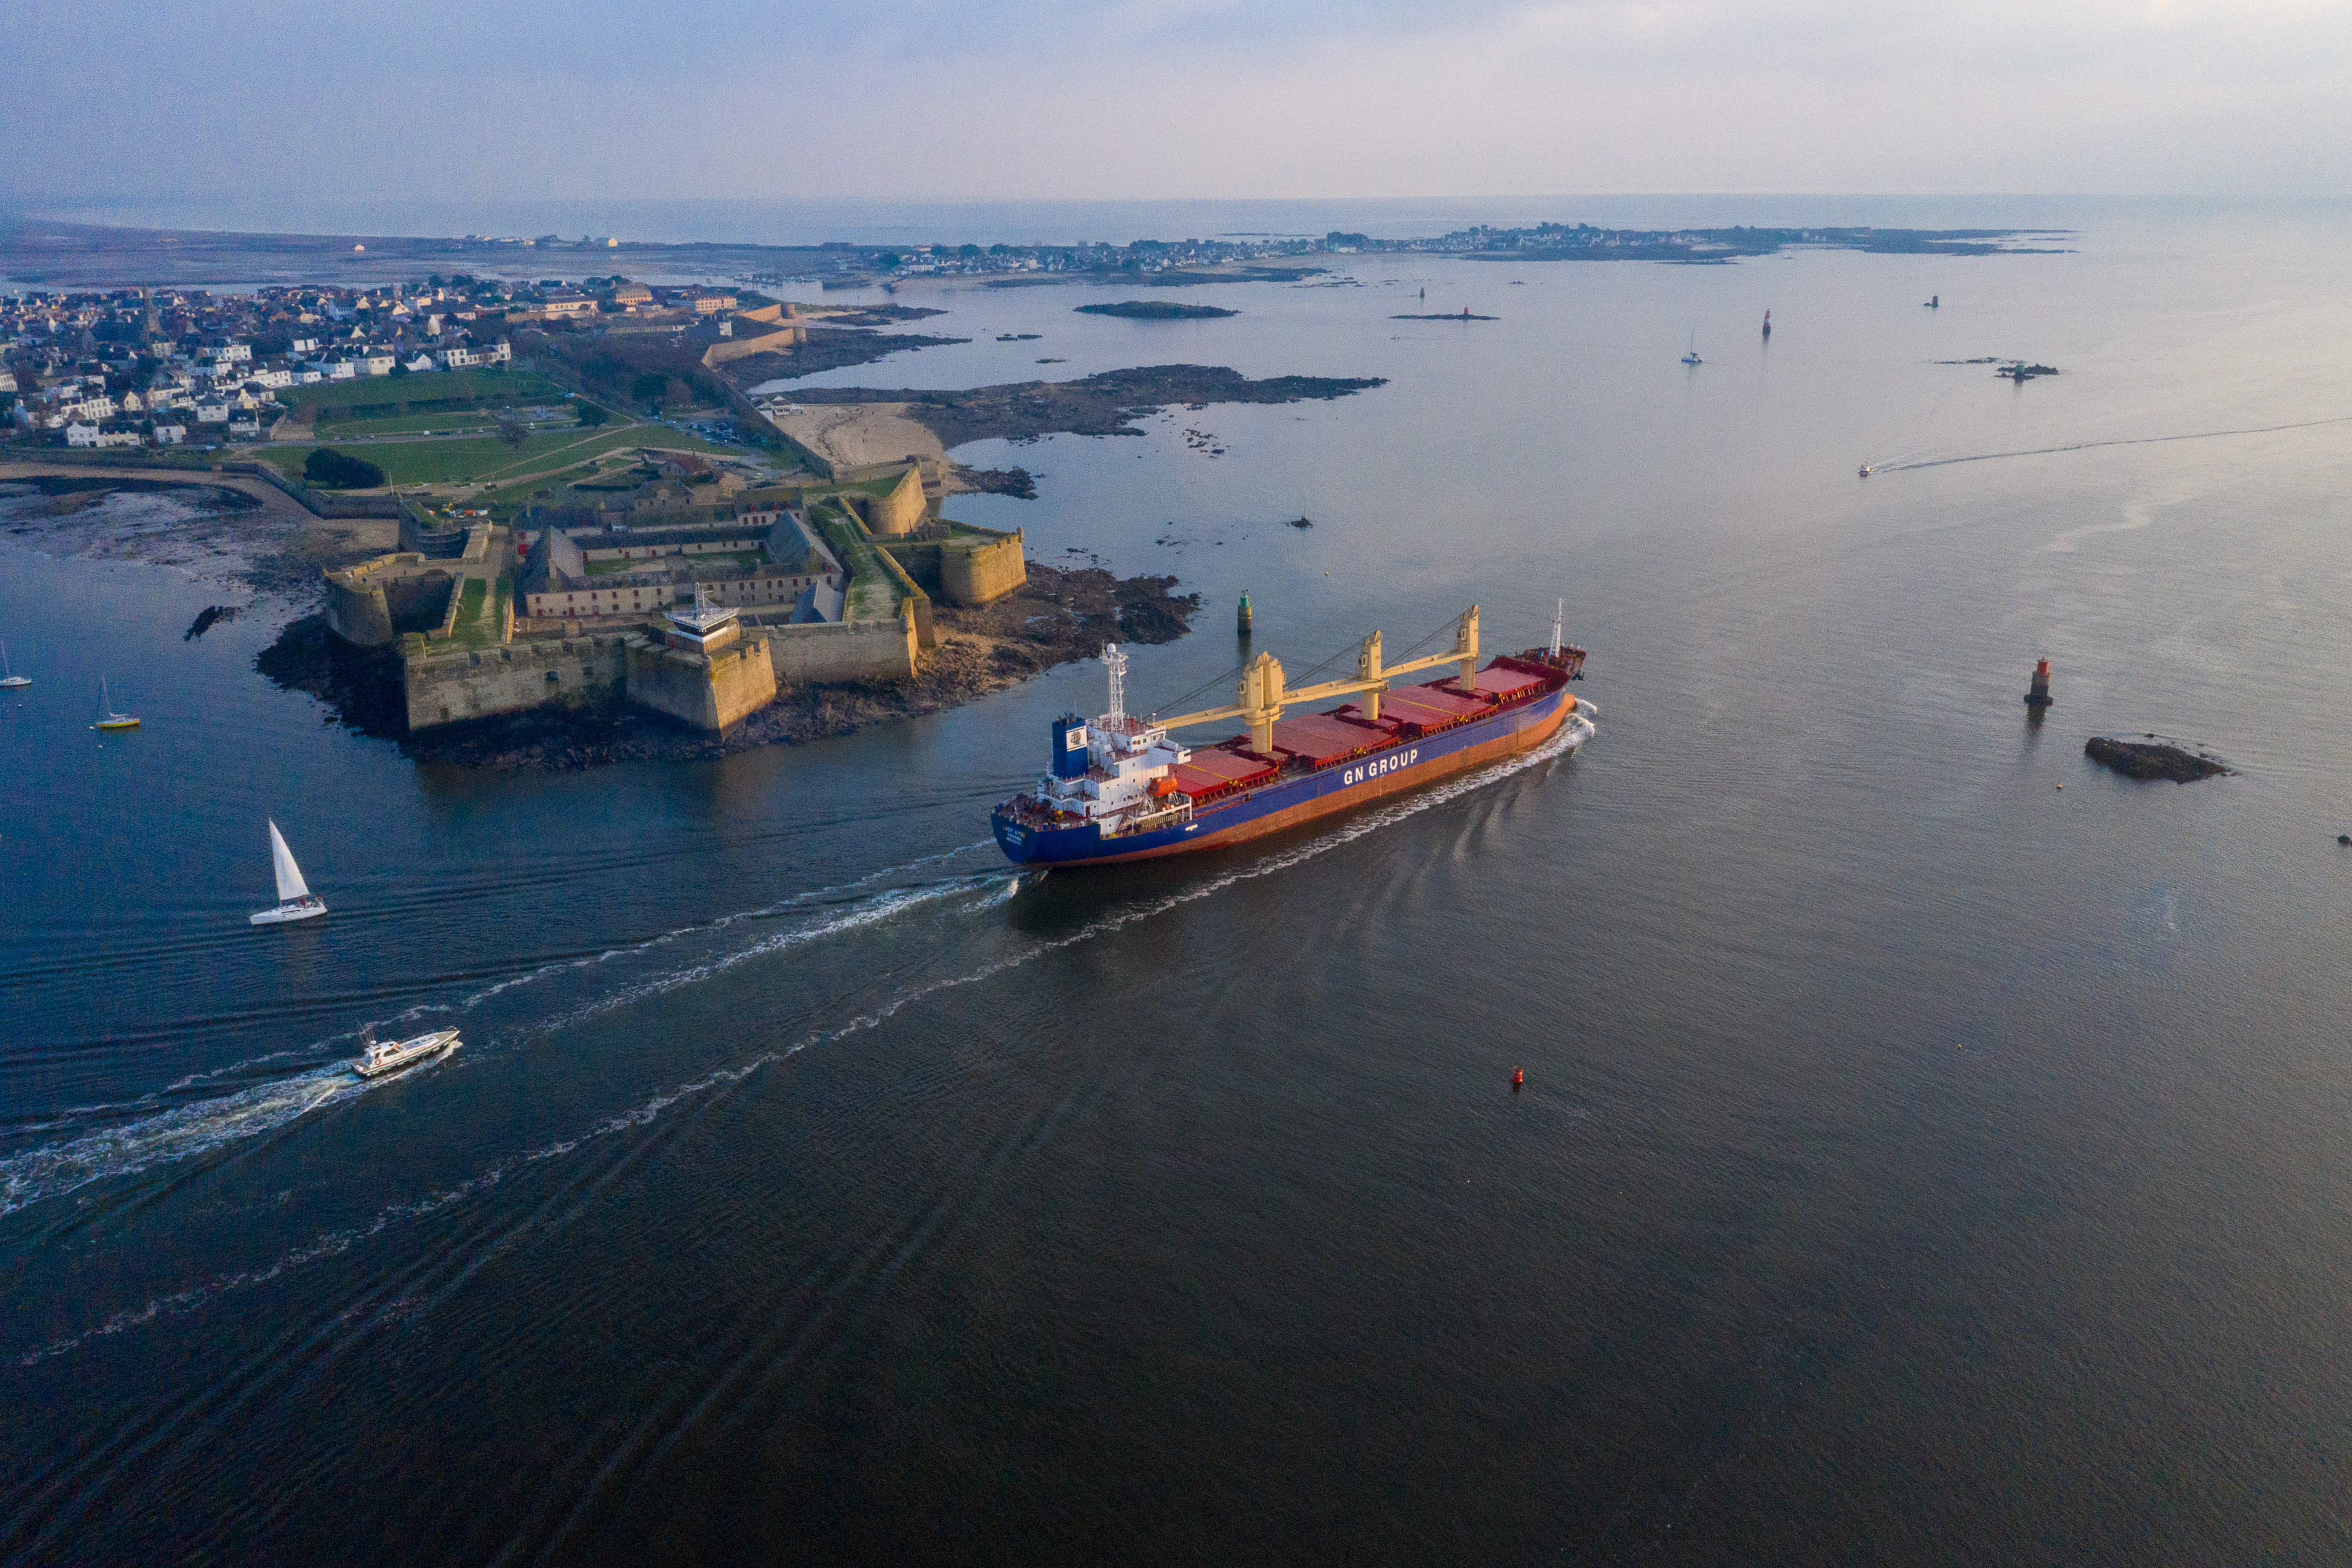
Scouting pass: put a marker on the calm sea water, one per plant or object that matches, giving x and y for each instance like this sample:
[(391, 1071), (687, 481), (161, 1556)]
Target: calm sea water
[(1918, 1162)]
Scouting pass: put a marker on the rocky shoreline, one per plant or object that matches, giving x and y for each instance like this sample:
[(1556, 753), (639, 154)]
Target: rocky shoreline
[(1058, 616)]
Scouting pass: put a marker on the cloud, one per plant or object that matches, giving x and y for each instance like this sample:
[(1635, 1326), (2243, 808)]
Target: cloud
[(1177, 98)]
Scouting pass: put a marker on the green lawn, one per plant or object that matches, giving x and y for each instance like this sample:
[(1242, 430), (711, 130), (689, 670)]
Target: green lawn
[(487, 457), (407, 424), (466, 630), (500, 387), (873, 592), (481, 611)]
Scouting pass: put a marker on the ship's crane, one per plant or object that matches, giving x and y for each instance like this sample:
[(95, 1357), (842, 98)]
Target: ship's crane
[(1260, 696)]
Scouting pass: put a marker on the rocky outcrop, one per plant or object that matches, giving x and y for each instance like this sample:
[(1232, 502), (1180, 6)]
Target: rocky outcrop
[(2153, 758)]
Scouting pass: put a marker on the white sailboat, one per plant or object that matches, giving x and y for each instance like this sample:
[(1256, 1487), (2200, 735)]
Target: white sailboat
[(295, 901), (1692, 357), (9, 679), (375, 1060)]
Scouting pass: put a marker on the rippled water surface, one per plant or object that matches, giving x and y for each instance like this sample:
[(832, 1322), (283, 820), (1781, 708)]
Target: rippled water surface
[(1917, 1161)]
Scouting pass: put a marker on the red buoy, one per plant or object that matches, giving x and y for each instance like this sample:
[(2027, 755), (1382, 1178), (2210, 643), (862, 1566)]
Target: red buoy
[(1518, 1076)]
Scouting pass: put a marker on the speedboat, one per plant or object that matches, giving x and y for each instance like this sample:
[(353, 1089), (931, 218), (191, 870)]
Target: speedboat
[(1865, 471), (381, 1058), (295, 901)]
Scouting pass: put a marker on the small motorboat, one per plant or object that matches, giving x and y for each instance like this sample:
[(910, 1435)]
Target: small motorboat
[(9, 679), (377, 1058), (107, 719), (1865, 471), (295, 901)]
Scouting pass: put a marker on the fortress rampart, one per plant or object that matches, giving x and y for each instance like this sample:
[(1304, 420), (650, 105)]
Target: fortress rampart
[(714, 691), (787, 336), (445, 688), (368, 604), (878, 650), (903, 511), (969, 566)]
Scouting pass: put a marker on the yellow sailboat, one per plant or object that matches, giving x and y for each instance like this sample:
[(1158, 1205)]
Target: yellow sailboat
[(107, 719)]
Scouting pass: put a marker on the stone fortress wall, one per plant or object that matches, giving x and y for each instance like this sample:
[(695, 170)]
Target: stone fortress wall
[(969, 566), (448, 687), (715, 689), (878, 650), (367, 603), (904, 510)]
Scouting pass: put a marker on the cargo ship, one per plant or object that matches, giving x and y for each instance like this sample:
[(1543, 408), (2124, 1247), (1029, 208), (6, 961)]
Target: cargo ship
[(1123, 788)]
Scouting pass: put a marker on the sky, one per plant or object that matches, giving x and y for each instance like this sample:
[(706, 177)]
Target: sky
[(927, 99)]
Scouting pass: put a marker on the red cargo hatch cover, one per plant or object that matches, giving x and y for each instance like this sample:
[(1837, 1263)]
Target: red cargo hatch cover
[(1317, 739), (1385, 728), (1212, 771), (1427, 706), (1505, 683)]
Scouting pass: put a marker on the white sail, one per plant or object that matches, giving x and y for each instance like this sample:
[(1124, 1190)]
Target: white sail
[(290, 885)]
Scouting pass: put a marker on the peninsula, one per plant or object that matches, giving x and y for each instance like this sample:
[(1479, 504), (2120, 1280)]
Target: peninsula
[(54, 255), (847, 423)]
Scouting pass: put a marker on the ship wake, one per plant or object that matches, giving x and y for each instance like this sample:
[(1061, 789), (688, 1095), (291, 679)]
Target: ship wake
[(45, 1172)]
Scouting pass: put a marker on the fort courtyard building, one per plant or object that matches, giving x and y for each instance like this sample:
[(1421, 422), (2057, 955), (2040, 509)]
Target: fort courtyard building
[(762, 561)]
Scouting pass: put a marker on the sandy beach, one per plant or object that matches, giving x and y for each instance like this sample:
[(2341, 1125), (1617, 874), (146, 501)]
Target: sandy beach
[(858, 433)]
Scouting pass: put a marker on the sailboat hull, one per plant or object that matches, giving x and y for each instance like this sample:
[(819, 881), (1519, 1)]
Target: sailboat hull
[(297, 909)]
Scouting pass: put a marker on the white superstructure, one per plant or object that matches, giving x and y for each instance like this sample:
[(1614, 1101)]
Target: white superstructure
[(377, 1059), (1125, 758)]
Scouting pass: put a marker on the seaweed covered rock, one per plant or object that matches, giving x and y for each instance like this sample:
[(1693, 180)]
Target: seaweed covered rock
[(2152, 758)]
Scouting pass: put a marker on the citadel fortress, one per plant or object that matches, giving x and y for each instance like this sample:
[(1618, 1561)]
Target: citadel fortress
[(699, 612)]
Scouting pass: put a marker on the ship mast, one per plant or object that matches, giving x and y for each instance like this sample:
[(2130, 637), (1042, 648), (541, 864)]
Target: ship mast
[(1559, 610), (1115, 662)]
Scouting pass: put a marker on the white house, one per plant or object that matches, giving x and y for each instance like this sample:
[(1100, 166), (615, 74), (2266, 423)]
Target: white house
[(376, 361), (247, 429), (422, 362), (7, 381), (306, 345), (272, 377), (81, 434), (170, 435), (212, 409)]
